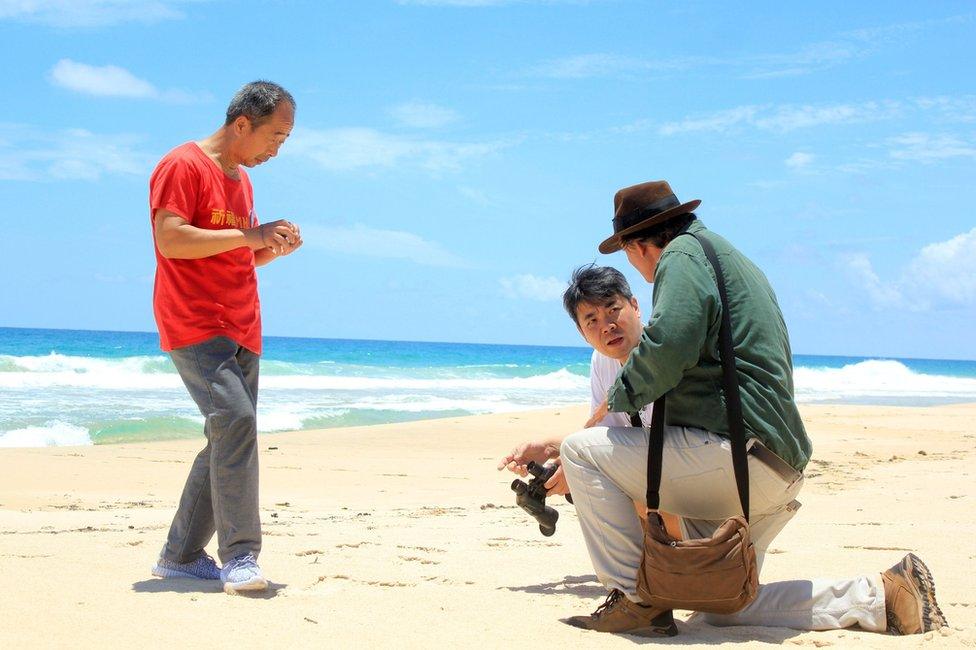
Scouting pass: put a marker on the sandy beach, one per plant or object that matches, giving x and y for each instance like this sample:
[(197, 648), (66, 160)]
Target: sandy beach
[(405, 535)]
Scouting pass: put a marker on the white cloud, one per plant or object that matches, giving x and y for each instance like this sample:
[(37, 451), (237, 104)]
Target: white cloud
[(89, 13), (926, 147), (717, 121), (809, 58), (106, 80), (386, 244), (27, 154), (817, 56), (953, 109), (422, 115), (948, 269), (351, 148), (110, 81), (533, 287), (800, 160), (899, 32), (783, 118), (941, 275), (789, 118), (881, 294)]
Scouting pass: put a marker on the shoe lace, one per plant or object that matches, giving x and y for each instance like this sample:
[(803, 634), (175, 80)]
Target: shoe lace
[(205, 561), (248, 561), (608, 604)]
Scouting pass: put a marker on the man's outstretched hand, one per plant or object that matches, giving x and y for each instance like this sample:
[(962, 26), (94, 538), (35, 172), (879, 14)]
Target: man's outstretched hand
[(538, 451)]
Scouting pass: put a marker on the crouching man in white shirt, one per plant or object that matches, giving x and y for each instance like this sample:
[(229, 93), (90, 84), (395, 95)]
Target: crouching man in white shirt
[(606, 313)]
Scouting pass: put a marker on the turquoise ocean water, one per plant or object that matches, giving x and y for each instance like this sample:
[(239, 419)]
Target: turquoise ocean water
[(68, 387)]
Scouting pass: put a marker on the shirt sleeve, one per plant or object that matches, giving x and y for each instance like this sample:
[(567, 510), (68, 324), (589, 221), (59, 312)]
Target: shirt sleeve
[(686, 302), (598, 384), (603, 372), (174, 187)]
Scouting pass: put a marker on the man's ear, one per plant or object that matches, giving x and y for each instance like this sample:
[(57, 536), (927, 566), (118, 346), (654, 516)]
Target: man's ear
[(642, 248), (633, 303), (241, 125)]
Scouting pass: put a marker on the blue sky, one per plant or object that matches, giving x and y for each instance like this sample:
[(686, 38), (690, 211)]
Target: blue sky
[(454, 160)]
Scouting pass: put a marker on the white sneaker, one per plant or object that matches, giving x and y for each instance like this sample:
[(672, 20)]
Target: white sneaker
[(242, 574)]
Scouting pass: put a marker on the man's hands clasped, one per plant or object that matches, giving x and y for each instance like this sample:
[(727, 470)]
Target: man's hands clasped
[(281, 237)]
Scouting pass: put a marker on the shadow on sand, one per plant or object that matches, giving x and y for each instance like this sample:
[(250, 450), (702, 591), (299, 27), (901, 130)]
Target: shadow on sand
[(582, 586), (693, 631), (190, 586)]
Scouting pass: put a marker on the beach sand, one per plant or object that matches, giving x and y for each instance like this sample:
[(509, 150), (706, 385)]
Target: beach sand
[(405, 535)]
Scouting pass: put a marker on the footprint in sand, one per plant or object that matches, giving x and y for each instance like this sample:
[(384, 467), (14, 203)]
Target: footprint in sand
[(425, 549), (333, 583), (413, 558), (508, 541), (356, 545)]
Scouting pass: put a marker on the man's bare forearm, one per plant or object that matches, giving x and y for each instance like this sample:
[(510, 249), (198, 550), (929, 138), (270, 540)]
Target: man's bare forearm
[(188, 242), (178, 239)]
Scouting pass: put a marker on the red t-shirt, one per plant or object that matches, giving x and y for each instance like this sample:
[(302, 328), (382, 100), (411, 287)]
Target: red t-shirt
[(196, 300)]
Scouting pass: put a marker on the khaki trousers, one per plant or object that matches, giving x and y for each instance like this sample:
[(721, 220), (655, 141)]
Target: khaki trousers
[(606, 469)]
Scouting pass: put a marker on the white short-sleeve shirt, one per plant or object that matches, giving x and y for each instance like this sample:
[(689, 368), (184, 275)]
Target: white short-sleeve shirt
[(603, 372)]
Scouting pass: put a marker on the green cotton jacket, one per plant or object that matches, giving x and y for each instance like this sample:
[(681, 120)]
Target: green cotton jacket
[(678, 353)]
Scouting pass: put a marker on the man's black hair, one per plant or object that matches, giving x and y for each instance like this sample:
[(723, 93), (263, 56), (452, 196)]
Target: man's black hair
[(257, 101), (597, 285), (662, 234)]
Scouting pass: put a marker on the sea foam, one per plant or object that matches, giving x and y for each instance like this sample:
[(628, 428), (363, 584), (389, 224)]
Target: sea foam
[(64, 399), (878, 379), (51, 434)]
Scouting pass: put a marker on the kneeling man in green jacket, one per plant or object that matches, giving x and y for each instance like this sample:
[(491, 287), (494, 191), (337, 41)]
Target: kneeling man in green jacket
[(678, 355)]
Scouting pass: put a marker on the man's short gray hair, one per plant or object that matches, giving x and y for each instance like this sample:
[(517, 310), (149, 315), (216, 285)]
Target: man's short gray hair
[(257, 101)]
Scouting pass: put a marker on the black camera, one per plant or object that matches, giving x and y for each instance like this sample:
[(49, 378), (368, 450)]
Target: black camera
[(531, 496)]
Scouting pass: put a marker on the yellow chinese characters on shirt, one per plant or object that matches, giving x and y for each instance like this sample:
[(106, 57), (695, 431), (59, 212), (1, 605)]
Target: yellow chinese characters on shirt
[(227, 218)]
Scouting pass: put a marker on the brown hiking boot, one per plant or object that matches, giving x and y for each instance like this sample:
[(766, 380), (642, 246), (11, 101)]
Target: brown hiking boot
[(620, 615), (909, 592)]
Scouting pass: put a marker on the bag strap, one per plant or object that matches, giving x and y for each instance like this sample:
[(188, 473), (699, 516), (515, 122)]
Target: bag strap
[(733, 404)]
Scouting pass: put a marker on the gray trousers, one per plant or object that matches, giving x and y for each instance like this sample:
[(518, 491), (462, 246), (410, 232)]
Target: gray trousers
[(606, 469), (221, 492)]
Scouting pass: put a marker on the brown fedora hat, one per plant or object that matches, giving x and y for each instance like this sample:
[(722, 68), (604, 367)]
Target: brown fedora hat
[(641, 206)]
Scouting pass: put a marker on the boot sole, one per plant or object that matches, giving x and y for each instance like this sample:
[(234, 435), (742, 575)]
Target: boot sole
[(669, 630), (932, 616)]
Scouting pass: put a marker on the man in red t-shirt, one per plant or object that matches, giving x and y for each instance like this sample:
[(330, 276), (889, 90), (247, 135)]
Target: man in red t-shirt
[(208, 242)]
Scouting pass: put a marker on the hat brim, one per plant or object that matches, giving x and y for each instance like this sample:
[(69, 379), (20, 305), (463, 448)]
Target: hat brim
[(613, 243)]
